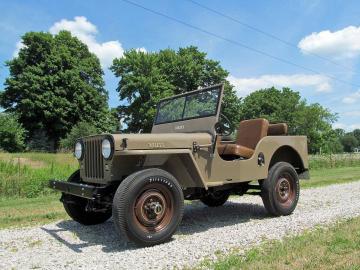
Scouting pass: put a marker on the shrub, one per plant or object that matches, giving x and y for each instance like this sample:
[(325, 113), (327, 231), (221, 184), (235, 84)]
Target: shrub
[(12, 134), (40, 142), (79, 130)]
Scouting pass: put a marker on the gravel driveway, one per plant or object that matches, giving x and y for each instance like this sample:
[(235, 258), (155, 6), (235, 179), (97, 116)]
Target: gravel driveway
[(204, 231)]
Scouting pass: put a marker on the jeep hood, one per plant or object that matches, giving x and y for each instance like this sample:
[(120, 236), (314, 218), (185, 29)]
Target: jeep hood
[(160, 141)]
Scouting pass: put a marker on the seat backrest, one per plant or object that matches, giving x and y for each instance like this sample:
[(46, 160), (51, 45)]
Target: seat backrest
[(277, 129), (250, 132)]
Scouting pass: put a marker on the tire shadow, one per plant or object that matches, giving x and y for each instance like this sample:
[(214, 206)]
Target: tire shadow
[(197, 218)]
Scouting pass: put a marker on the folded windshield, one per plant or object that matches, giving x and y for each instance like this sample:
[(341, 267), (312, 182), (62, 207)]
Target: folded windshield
[(194, 105)]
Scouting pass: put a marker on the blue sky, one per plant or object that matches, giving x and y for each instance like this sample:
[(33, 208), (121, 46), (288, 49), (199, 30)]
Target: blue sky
[(330, 29)]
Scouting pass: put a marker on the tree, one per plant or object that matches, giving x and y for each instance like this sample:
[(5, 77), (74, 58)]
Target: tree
[(286, 105), (145, 78), (81, 129), (339, 132), (12, 134), (349, 142), (54, 83), (356, 133)]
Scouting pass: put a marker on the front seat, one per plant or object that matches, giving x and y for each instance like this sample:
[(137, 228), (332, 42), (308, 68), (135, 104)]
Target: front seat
[(249, 133), (277, 129)]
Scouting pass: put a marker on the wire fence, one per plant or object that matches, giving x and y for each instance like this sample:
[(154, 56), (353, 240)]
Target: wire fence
[(334, 160)]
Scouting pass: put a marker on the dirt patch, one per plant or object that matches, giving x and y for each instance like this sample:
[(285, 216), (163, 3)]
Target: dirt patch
[(36, 164)]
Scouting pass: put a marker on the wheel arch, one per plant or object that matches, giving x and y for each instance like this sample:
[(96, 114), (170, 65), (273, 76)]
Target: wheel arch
[(290, 155), (180, 163), (185, 169)]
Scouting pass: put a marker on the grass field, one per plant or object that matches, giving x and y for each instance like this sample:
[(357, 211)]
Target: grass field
[(336, 247), (20, 212), (27, 174), (25, 201), (44, 209)]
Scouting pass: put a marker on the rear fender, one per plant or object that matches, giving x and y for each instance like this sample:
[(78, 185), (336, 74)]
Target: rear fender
[(288, 154)]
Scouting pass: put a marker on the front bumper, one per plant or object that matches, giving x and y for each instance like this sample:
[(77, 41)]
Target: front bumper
[(79, 189)]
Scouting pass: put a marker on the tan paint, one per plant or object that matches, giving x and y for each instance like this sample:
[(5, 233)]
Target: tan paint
[(198, 166), (212, 168)]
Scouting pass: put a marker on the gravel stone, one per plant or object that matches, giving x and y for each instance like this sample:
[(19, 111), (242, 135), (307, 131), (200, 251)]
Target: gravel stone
[(204, 232)]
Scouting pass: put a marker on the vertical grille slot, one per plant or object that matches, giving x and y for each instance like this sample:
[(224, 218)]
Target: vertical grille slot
[(93, 159)]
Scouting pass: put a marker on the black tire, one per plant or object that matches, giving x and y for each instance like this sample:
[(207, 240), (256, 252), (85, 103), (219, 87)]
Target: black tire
[(216, 198), (75, 206), (280, 191), (148, 207)]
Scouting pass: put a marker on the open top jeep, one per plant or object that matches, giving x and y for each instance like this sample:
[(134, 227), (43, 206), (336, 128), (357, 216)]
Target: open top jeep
[(142, 179)]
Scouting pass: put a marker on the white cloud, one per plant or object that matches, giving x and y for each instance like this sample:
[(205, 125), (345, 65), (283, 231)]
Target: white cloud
[(339, 125), (86, 32), (347, 128), (352, 98), (142, 49), (344, 43), (19, 46), (352, 113), (245, 86)]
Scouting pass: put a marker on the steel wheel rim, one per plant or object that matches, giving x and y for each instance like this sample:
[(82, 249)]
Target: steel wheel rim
[(285, 190), (153, 208)]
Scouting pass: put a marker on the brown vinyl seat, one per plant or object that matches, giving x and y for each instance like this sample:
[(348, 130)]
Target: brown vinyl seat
[(277, 129), (249, 133)]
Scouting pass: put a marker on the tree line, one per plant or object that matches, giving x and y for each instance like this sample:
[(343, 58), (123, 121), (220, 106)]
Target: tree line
[(55, 93)]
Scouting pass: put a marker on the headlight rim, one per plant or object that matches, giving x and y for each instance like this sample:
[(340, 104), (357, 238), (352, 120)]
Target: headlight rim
[(112, 148), (82, 149)]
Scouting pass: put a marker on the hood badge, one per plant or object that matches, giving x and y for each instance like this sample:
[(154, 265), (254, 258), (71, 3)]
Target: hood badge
[(179, 127), (156, 145)]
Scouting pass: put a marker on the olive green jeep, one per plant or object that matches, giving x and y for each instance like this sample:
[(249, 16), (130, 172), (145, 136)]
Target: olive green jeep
[(141, 180)]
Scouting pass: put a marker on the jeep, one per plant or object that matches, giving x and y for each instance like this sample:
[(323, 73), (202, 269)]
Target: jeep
[(192, 153)]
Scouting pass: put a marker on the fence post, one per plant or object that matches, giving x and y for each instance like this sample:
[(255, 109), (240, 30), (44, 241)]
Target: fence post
[(18, 183), (331, 161)]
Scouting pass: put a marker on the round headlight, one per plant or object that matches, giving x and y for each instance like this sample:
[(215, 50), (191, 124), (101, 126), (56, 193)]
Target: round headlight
[(78, 150), (106, 148)]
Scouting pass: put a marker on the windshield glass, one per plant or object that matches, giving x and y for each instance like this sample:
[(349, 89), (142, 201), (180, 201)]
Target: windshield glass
[(195, 105)]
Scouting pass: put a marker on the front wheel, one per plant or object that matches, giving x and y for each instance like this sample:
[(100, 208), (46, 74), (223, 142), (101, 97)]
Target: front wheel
[(75, 206), (280, 191), (148, 207)]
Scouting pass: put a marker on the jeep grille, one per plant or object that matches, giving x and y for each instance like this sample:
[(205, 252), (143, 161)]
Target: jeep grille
[(94, 164)]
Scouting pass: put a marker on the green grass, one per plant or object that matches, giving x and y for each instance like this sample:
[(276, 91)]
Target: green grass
[(337, 247), (323, 177), (44, 209), (20, 212), (27, 174)]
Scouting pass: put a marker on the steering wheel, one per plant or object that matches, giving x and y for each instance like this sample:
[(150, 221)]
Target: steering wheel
[(224, 126)]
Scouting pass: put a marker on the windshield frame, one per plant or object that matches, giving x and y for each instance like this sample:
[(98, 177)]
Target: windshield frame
[(206, 89)]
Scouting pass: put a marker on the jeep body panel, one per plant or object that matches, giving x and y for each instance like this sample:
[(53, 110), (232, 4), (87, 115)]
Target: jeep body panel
[(202, 167), (184, 143)]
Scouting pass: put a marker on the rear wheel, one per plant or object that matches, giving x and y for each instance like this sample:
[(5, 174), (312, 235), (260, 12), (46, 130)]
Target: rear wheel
[(148, 207), (75, 206), (280, 191), (216, 198)]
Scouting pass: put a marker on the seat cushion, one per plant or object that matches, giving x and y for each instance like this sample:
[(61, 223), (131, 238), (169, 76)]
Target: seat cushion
[(235, 149), (250, 132), (277, 129)]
